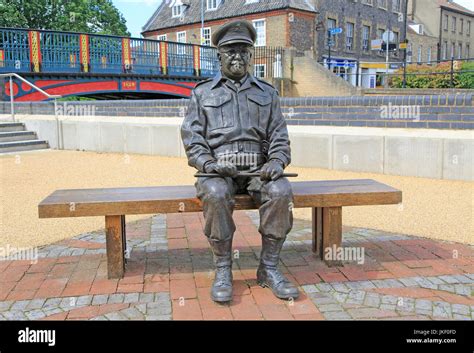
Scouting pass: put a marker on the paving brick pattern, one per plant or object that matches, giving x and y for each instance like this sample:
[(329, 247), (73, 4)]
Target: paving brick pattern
[(170, 271)]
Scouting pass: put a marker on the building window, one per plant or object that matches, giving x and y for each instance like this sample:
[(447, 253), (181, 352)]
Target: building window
[(382, 4), (445, 50), (177, 10), (459, 50), (349, 36), (380, 33), (366, 38), (468, 51), (461, 26), (162, 37), (213, 5), (260, 28), (468, 29), (446, 22), (331, 23), (453, 50), (453, 24), (409, 53), (367, 2), (396, 5), (420, 54), (206, 36), (428, 55), (260, 70), (181, 37)]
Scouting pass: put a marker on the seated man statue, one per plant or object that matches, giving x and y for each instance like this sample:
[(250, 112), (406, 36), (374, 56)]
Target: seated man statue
[(234, 124)]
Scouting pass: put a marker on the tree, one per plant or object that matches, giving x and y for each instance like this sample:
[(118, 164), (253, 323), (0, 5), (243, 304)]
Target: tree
[(89, 16)]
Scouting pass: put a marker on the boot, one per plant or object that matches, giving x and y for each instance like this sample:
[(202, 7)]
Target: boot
[(221, 290), (268, 274)]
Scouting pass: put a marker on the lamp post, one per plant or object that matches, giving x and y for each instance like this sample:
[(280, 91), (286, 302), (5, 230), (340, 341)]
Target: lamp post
[(405, 24)]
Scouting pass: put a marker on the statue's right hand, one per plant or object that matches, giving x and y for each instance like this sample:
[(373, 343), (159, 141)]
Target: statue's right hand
[(225, 169)]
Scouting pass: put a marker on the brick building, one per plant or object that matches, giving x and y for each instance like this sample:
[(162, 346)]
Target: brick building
[(422, 45), (282, 23), (450, 22), (361, 21)]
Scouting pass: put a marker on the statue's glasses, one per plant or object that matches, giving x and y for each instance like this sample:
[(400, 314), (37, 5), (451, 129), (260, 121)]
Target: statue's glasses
[(232, 52)]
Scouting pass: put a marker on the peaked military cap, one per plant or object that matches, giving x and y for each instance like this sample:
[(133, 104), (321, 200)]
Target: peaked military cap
[(235, 32)]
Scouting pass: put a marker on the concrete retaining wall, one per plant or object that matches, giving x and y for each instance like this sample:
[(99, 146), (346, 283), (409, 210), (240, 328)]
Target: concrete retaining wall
[(439, 154)]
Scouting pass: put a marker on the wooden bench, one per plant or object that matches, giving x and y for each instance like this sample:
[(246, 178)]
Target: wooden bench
[(326, 198)]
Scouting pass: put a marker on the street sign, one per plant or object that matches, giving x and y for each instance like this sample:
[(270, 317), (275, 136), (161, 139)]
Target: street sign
[(341, 63), (376, 44), (388, 36), (331, 43), (334, 31), (403, 45)]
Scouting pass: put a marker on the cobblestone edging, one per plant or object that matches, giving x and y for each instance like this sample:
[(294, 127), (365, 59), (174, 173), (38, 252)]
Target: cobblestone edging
[(353, 300)]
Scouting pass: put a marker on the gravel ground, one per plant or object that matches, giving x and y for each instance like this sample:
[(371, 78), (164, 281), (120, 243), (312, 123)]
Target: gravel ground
[(437, 209)]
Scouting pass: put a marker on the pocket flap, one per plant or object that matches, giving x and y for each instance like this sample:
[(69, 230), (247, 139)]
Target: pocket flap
[(260, 100), (217, 101)]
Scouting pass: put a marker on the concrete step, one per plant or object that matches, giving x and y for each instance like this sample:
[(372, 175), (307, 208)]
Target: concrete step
[(28, 145), (17, 136), (7, 127)]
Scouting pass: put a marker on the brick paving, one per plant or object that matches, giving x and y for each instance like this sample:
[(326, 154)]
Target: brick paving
[(170, 271)]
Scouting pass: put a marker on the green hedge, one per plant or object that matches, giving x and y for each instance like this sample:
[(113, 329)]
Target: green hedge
[(431, 79)]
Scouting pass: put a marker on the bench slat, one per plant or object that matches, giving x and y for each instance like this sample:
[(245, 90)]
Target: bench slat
[(173, 199)]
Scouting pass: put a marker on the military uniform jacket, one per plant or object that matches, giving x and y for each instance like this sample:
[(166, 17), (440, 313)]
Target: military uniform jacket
[(219, 115)]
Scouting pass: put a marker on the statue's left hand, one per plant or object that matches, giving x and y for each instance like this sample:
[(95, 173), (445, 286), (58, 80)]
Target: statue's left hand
[(273, 170)]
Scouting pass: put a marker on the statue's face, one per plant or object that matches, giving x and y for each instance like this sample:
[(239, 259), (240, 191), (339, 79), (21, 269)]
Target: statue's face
[(235, 60)]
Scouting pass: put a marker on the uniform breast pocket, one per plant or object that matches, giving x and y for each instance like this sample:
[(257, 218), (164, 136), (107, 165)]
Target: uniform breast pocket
[(219, 112), (260, 109)]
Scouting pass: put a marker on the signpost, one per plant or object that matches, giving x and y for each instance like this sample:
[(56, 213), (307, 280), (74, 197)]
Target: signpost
[(387, 37), (332, 32)]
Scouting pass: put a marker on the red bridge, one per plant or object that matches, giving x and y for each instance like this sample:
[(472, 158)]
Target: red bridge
[(101, 66)]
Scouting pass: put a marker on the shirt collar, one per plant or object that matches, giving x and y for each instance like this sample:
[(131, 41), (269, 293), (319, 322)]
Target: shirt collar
[(246, 84)]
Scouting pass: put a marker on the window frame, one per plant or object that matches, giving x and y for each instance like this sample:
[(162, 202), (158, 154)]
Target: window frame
[(264, 21)]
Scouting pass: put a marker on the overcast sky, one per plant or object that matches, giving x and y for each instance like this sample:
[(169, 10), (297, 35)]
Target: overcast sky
[(137, 12), (466, 3)]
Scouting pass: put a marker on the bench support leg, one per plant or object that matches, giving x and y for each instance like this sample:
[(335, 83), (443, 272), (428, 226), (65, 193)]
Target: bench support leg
[(116, 242), (327, 231)]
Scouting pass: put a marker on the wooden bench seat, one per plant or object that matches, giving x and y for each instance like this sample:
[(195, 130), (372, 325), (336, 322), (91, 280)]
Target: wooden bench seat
[(326, 198)]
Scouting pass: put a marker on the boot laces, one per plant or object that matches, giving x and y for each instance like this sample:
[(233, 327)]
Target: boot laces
[(222, 279)]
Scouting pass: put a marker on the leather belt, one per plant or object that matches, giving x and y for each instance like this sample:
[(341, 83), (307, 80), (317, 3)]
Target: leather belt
[(239, 146)]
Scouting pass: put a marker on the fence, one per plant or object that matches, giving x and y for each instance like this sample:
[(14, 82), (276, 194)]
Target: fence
[(269, 62), (398, 73), (25, 51)]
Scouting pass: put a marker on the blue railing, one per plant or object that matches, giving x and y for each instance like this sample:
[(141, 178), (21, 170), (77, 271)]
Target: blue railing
[(23, 51)]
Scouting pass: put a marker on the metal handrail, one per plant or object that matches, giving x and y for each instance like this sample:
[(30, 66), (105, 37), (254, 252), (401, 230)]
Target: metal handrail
[(53, 96)]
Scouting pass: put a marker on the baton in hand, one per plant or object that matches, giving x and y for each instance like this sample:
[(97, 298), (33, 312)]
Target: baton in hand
[(241, 174)]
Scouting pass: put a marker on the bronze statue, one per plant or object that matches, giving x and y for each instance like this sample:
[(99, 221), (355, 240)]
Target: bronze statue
[(234, 124)]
